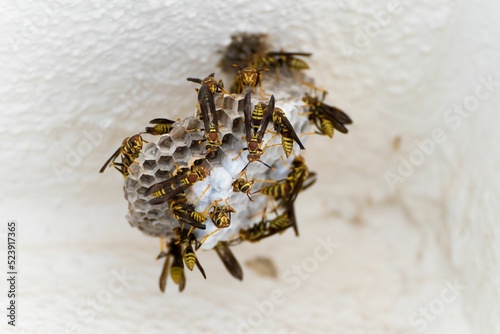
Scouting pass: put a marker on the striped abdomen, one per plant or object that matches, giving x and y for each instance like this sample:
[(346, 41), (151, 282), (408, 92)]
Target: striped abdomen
[(277, 190), (159, 193), (279, 223), (287, 143), (189, 257), (177, 274), (159, 129), (257, 116), (297, 64), (200, 218), (326, 127), (256, 232)]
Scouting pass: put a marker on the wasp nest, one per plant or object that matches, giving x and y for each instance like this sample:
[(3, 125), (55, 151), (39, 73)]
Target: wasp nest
[(231, 172)]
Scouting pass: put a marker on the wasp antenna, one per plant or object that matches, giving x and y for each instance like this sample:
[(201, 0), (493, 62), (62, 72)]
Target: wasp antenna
[(245, 167), (262, 162), (255, 192)]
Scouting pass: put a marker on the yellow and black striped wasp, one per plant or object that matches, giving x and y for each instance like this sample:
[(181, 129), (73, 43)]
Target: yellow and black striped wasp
[(182, 180), (129, 151), (213, 85), (209, 117), (277, 59), (325, 117), (161, 126), (186, 240), (254, 134), (229, 260), (243, 186), (221, 215), (246, 79), (285, 129), (185, 212), (176, 269), (265, 228), (286, 191)]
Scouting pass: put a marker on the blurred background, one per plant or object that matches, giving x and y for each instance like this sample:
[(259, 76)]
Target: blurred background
[(407, 201)]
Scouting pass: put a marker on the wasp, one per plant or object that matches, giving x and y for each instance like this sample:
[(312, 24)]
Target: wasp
[(286, 190), (207, 108), (129, 151), (243, 186), (275, 60), (183, 179), (293, 183), (285, 129), (258, 115), (186, 239), (161, 126), (221, 215), (229, 260), (213, 85), (176, 269), (265, 228), (247, 78), (325, 117), (255, 134), (185, 212)]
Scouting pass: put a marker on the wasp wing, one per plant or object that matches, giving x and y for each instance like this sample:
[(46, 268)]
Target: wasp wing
[(111, 159), (291, 216), (202, 271), (161, 121), (183, 215), (195, 80), (247, 111), (265, 120), (288, 54), (229, 260), (341, 116), (291, 132), (207, 106), (164, 274), (169, 194), (171, 188)]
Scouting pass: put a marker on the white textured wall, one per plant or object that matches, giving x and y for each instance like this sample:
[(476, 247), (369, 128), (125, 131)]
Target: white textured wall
[(109, 67)]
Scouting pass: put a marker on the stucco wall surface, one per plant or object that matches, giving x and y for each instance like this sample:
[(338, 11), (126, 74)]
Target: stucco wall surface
[(409, 198)]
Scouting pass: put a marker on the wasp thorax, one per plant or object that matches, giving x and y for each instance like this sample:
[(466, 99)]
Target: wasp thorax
[(193, 177), (253, 146), (213, 136), (212, 85)]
